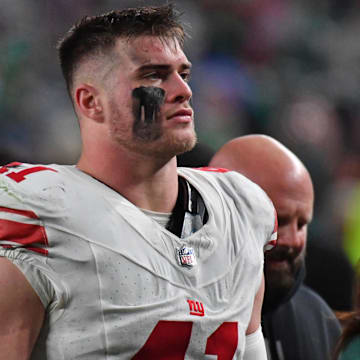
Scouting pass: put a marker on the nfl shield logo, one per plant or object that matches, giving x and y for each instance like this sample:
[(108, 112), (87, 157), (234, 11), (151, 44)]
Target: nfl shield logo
[(186, 256)]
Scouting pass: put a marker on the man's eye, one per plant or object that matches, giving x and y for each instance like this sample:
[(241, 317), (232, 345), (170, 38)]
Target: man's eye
[(301, 224), (152, 75), (282, 221), (186, 76)]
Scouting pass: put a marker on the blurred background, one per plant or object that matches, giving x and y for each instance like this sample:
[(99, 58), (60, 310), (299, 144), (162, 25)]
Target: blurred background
[(286, 68)]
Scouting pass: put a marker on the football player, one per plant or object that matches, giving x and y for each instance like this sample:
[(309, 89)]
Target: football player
[(123, 255)]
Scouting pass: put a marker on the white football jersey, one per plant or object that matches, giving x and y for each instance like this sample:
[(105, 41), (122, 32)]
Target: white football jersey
[(116, 284)]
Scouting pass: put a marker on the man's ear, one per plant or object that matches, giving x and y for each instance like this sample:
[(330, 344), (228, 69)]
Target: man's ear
[(88, 102)]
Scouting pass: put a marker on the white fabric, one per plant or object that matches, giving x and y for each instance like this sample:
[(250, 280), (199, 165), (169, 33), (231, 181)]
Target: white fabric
[(110, 278), (160, 218), (255, 348)]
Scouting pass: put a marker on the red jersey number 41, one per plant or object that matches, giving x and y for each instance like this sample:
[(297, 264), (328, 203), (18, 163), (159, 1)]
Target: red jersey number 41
[(20, 176), (169, 340)]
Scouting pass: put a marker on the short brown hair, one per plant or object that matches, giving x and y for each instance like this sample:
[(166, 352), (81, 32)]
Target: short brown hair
[(98, 34)]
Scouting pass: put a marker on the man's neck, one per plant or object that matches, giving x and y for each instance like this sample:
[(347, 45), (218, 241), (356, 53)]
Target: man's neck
[(147, 185)]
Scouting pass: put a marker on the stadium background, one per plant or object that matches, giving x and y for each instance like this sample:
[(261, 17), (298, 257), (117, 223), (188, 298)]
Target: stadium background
[(287, 68)]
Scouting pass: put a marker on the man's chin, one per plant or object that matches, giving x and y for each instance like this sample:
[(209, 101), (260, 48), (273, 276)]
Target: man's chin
[(280, 279), (278, 275), (184, 144)]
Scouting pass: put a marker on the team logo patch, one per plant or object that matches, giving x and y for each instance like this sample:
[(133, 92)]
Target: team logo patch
[(186, 256), (196, 308)]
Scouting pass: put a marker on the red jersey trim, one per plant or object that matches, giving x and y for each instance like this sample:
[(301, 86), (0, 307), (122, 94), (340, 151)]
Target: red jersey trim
[(213, 169)]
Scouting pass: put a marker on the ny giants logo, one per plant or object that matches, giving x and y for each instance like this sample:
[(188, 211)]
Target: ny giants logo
[(196, 308)]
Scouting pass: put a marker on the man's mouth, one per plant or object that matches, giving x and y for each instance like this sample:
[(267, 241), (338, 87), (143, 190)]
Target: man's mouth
[(278, 263), (185, 114)]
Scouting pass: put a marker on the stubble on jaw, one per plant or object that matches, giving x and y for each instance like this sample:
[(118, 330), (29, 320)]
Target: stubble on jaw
[(280, 281), (159, 143)]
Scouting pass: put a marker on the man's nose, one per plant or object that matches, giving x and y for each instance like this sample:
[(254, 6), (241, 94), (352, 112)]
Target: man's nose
[(179, 90), (290, 236)]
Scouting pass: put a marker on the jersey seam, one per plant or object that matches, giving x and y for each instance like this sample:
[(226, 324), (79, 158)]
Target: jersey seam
[(101, 300)]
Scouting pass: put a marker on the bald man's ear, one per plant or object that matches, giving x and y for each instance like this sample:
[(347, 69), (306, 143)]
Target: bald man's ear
[(88, 102)]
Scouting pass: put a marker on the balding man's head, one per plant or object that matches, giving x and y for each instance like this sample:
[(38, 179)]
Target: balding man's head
[(287, 182), (262, 159)]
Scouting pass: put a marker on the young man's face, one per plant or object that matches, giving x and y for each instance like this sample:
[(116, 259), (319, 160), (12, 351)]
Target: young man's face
[(159, 71)]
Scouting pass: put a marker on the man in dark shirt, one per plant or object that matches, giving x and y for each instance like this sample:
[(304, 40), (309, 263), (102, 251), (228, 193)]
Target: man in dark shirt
[(296, 321)]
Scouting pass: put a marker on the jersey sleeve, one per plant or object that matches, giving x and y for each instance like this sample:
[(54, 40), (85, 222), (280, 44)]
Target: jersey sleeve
[(33, 273), (273, 238), (267, 213), (259, 208), (23, 237)]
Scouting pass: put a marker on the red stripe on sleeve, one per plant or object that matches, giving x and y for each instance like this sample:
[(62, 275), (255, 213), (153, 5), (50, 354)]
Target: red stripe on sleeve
[(28, 235), (28, 213)]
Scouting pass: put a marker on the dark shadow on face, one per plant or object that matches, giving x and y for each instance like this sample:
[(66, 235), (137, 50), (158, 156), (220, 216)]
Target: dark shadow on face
[(146, 110)]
